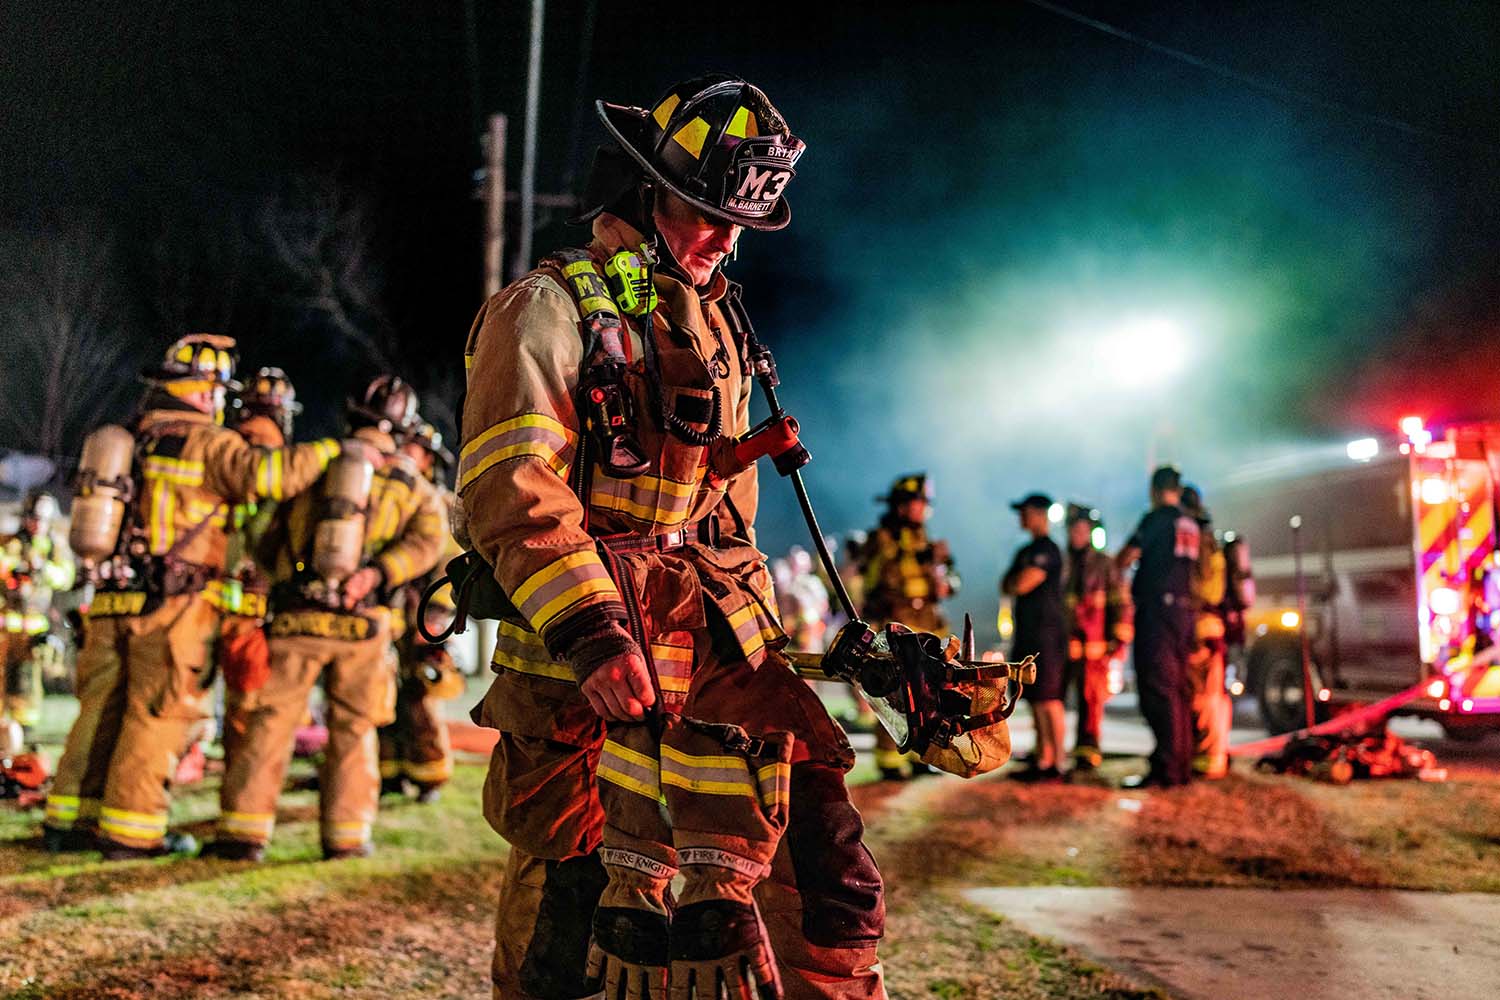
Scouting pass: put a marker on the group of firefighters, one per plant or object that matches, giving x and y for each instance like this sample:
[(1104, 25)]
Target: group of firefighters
[(211, 546), (671, 790)]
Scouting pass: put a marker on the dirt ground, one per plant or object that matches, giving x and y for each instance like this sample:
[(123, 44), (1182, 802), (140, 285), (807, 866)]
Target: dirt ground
[(415, 920)]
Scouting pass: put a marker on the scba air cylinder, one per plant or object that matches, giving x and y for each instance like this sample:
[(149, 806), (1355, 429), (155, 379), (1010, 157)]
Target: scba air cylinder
[(103, 490), (339, 541)]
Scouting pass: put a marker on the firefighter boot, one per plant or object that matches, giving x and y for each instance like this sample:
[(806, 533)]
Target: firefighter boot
[(629, 948), (727, 793)]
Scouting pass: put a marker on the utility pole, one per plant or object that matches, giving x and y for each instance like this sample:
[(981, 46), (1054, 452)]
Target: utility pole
[(494, 206), (522, 261)]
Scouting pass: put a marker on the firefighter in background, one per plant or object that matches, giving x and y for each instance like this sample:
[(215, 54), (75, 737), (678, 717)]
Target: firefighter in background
[(1164, 551), (263, 415), (144, 676), (802, 599), (1100, 624), (33, 566), (335, 556), (654, 555), (1211, 706), (906, 577), (415, 747)]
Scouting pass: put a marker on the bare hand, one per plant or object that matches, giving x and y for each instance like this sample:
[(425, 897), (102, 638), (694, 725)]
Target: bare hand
[(620, 689), (358, 586)]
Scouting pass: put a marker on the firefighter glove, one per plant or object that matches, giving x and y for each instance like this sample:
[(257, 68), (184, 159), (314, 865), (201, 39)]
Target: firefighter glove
[(727, 793), (629, 950)]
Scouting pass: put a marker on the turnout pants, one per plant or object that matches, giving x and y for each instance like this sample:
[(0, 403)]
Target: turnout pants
[(1211, 709), (78, 784), (23, 678), (168, 690), (1162, 637), (822, 903), (358, 678), (1089, 676), (416, 746)]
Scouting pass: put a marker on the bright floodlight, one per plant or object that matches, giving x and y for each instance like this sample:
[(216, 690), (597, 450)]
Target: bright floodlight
[(1098, 537), (1363, 449), (1055, 513), (1141, 351)]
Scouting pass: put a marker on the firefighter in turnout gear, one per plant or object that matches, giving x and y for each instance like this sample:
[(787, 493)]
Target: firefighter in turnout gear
[(1211, 707), (1100, 624), (33, 566), (335, 555), (415, 747), (144, 674), (905, 578), (263, 414), (604, 476)]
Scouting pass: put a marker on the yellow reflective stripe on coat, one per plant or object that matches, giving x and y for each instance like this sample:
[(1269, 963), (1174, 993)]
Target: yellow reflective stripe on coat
[(710, 775), (268, 475), (674, 665), (161, 527), (652, 500), (524, 652), (629, 769), (534, 434), (179, 471), (560, 585)]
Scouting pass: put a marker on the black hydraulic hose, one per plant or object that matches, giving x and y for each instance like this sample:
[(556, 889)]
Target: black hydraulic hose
[(835, 581)]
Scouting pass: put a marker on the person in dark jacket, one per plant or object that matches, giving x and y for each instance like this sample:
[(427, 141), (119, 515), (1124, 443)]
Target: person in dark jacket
[(1034, 583), (1164, 550)]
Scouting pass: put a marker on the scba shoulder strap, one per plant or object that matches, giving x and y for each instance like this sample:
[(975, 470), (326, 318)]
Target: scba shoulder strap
[(604, 404), (605, 407)]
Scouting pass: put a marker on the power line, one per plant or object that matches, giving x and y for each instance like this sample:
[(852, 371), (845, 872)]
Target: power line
[(1263, 85)]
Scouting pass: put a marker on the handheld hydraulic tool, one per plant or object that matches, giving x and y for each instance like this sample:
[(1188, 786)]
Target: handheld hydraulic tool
[(932, 696)]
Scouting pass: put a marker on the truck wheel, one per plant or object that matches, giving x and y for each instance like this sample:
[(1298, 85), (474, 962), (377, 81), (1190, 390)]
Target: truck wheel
[(1281, 694)]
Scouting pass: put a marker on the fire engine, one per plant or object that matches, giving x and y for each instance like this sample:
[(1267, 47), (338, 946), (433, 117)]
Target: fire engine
[(1380, 571)]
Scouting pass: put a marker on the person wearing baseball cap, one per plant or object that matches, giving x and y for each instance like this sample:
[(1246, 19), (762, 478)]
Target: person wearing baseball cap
[(1034, 584), (1164, 549)]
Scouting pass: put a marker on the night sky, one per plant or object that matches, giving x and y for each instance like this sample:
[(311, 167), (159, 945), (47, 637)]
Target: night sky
[(1025, 254)]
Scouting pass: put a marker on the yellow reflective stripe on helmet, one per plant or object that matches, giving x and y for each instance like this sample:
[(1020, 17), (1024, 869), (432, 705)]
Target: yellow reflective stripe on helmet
[(663, 112), (692, 136), (742, 125)]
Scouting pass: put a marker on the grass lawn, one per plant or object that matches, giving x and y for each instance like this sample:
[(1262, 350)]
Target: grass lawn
[(415, 920)]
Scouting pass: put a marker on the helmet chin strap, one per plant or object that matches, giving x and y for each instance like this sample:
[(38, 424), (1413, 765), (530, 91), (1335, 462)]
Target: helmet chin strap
[(661, 251)]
